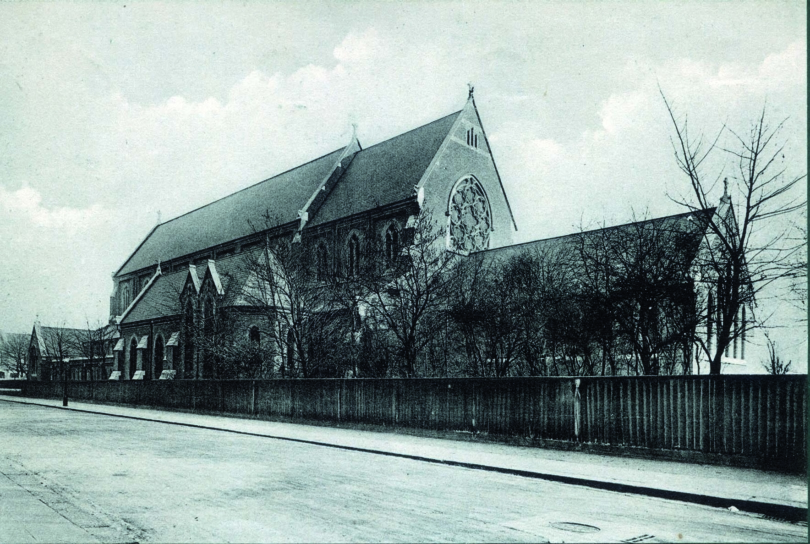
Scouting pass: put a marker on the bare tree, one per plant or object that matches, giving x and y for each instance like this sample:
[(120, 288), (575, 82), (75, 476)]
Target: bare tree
[(796, 268), (409, 298), (775, 365), (237, 353), (13, 352), (748, 252), (90, 344), (501, 309), (637, 279), (300, 310)]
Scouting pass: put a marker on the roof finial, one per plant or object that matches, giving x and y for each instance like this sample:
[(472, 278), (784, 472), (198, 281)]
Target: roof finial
[(725, 187), (158, 217), (158, 268), (471, 89)]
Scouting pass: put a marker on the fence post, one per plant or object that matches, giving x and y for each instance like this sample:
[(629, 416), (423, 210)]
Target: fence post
[(577, 409), (253, 397)]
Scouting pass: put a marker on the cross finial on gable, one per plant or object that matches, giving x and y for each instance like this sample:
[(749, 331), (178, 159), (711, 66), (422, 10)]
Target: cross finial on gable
[(471, 90), (725, 187)]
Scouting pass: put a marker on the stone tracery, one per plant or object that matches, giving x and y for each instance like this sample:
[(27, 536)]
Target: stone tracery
[(470, 220)]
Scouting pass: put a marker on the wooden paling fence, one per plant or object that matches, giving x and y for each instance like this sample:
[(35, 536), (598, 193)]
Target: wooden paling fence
[(758, 417)]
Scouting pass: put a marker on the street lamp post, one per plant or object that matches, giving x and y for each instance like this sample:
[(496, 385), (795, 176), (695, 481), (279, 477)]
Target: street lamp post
[(65, 362)]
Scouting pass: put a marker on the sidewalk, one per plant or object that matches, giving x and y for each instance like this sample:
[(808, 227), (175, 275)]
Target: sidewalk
[(780, 495)]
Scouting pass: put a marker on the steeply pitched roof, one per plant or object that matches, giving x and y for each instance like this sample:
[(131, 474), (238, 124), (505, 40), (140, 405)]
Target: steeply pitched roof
[(230, 218), (689, 223), (48, 340), (162, 299), (386, 172), (381, 174), (10, 336)]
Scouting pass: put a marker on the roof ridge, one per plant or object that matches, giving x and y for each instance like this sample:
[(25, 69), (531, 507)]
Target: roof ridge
[(590, 231), (287, 171), (306, 163), (294, 178), (411, 130)]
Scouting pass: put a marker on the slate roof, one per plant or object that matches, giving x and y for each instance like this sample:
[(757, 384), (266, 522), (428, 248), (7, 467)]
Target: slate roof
[(162, 299), (9, 336), (685, 223), (47, 338), (381, 174), (230, 218), (386, 172)]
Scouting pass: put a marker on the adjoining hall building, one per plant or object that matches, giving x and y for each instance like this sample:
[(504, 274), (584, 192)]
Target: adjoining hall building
[(193, 265), (84, 354)]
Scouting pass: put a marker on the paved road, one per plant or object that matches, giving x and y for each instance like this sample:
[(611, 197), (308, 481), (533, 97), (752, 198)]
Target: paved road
[(80, 477)]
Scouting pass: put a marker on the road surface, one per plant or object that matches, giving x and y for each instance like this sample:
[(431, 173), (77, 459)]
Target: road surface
[(78, 477)]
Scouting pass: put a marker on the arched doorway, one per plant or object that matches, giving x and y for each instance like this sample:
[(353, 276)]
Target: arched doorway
[(158, 356), (133, 357)]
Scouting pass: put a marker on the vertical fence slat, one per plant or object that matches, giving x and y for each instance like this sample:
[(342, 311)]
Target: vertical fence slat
[(762, 417)]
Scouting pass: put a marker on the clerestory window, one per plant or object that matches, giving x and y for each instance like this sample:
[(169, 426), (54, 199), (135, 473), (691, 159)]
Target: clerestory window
[(322, 262), (353, 264), (125, 297), (391, 243)]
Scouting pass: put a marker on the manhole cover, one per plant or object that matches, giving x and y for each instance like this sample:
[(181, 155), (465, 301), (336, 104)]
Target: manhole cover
[(574, 527)]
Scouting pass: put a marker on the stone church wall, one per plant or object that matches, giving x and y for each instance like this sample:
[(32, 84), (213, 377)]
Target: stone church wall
[(458, 160)]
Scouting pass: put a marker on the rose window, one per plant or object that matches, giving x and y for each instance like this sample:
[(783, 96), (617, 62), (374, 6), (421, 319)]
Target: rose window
[(470, 221)]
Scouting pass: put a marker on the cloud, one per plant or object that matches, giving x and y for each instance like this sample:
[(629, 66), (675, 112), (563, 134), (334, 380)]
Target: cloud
[(359, 48), (623, 161), (621, 111), (24, 210), (54, 265)]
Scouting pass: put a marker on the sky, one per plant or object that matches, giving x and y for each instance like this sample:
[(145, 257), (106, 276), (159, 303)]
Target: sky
[(112, 114)]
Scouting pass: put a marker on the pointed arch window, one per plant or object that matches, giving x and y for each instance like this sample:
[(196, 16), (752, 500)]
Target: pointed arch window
[(353, 264), (322, 262), (208, 333), (188, 341), (125, 297), (159, 355), (391, 243), (133, 357), (254, 335)]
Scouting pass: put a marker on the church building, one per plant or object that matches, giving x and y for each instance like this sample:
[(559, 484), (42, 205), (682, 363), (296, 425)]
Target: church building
[(192, 267), (337, 203)]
